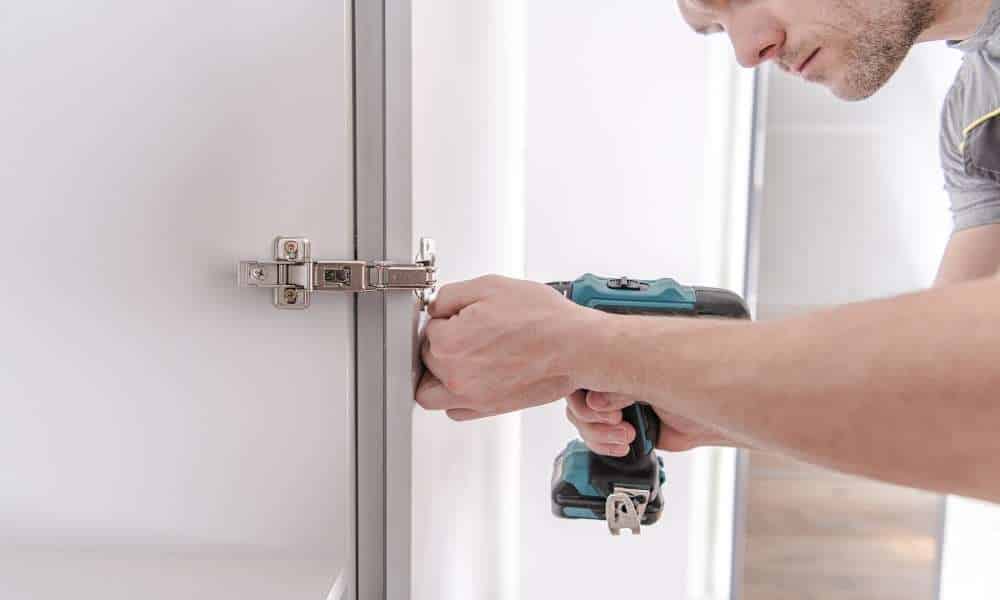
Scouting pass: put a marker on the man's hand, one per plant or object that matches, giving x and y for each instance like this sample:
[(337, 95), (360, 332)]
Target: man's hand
[(598, 418), (496, 345)]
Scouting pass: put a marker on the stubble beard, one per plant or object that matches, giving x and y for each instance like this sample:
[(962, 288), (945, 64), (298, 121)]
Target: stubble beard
[(880, 47)]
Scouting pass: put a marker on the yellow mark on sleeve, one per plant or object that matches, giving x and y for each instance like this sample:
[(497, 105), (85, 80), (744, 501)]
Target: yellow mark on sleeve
[(979, 121), (971, 126)]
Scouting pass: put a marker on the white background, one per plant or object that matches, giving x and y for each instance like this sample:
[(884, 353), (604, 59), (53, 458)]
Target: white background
[(467, 165), (853, 200), (616, 121), (584, 153)]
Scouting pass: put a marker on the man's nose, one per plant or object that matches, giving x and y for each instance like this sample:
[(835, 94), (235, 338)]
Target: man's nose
[(759, 43)]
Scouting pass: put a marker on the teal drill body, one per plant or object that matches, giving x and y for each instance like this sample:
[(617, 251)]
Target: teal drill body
[(628, 492)]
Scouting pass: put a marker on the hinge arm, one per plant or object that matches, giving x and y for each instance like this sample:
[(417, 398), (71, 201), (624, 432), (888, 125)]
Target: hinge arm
[(294, 276)]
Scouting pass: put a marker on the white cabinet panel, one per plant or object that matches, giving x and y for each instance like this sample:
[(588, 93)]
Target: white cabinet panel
[(161, 430)]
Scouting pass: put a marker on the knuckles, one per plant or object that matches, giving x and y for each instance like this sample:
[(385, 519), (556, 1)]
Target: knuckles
[(455, 385), (442, 342), (492, 281)]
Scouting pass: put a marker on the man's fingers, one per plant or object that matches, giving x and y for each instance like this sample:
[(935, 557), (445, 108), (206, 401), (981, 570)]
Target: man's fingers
[(616, 450), (577, 404), (674, 440), (466, 414), (602, 434), (433, 395), (452, 298), (434, 329), (426, 355), (604, 402)]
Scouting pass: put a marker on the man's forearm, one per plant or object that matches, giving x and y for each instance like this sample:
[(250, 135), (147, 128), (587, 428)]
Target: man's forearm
[(904, 389)]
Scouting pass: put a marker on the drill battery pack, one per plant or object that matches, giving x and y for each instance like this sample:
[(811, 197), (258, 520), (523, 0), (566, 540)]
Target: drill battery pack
[(583, 481)]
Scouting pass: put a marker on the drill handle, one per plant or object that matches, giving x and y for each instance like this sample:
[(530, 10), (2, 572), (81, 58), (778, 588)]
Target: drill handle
[(647, 432), (647, 429)]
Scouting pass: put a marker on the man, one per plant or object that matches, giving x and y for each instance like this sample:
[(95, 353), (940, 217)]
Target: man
[(903, 389)]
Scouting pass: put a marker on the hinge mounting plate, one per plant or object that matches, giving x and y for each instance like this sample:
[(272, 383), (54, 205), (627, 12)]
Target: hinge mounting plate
[(295, 276)]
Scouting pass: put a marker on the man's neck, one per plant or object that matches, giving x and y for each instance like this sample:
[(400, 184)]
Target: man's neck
[(956, 19)]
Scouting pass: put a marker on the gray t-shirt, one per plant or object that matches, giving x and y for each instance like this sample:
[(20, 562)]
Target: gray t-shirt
[(970, 129)]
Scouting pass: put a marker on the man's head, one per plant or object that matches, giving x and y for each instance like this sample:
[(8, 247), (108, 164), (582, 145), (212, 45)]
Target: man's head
[(851, 46)]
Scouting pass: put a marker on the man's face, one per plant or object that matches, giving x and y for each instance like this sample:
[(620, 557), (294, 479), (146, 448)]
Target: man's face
[(851, 46)]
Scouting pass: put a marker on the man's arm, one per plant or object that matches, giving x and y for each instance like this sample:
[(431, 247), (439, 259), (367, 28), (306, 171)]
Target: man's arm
[(970, 254), (905, 390)]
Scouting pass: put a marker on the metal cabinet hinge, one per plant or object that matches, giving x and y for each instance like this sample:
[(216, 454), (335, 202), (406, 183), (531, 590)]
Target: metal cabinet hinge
[(294, 275)]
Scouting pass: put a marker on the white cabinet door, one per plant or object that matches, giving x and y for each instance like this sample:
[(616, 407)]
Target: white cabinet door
[(162, 433)]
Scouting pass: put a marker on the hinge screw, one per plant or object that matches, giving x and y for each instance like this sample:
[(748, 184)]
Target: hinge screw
[(291, 296), (257, 274), (291, 249)]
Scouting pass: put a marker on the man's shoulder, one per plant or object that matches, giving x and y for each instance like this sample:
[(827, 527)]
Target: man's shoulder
[(977, 83), (970, 133), (974, 96)]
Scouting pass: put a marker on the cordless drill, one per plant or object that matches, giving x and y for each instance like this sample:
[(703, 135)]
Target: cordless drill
[(627, 492)]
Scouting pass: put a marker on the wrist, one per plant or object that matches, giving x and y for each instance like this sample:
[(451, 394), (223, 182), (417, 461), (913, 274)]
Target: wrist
[(595, 353), (660, 360)]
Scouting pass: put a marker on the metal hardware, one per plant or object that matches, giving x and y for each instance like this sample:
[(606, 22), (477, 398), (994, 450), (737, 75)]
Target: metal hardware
[(427, 257), (625, 508), (294, 276)]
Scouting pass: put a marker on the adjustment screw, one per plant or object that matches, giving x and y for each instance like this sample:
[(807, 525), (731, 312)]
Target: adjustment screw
[(291, 248), (291, 296), (257, 274)]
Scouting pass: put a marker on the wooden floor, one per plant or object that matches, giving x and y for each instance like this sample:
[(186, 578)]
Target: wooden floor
[(812, 534)]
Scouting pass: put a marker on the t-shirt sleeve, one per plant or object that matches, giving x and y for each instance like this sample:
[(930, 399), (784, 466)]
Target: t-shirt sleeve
[(971, 162)]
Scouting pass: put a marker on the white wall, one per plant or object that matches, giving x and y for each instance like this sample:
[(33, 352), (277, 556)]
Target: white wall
[(615, 162), (972, 544), (611, 179), (467, 165)]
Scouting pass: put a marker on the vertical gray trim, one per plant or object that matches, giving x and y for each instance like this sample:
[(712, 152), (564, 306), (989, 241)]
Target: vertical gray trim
[(346, 587), (737, 565), (386, 352), (755, 191), (941, 530), (755, 202), (401, 351), (369, 210)]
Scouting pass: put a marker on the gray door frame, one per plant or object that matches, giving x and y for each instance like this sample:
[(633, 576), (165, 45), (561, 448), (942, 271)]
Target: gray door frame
[(755, 202), (386, 323)]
